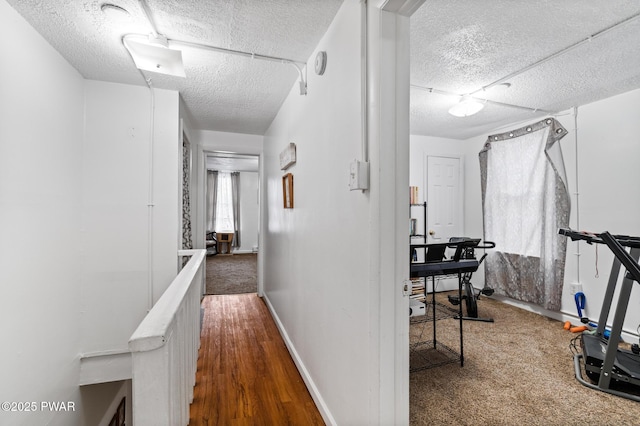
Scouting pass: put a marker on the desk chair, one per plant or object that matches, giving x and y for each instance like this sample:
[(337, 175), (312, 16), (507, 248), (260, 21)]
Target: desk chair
[(471, 294), (211, 243)]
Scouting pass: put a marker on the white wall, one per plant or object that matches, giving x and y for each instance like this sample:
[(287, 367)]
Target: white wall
[(316, 255), (41, 105), (249, 211), (73, 200), (115, 214), (608, 150), (420, 147), (608, 175)]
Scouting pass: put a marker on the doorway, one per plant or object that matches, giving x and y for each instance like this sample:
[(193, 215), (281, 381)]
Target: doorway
[(444, 183), (232, 220)]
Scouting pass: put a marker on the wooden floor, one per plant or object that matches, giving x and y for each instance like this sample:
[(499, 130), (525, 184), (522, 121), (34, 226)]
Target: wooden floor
[(245, 374)]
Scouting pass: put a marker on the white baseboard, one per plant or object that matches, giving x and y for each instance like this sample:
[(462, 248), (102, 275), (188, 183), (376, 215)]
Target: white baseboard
[(562, 316), (311, 386)]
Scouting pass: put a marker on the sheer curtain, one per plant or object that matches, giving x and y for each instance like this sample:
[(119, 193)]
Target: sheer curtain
[(235, 199), (212, 195), (223, 203), (525, 200)]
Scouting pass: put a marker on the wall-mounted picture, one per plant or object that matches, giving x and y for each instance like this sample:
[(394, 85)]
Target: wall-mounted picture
[(288, 156), (287, 190)]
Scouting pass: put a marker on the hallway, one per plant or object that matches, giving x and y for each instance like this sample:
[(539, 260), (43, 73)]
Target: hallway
[(245, 374)]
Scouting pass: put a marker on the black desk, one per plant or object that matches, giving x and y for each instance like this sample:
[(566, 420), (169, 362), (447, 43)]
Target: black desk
[(435, 265)]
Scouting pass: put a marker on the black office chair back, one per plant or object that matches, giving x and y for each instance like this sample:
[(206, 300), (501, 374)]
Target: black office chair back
[(435, 253), (465, 247)]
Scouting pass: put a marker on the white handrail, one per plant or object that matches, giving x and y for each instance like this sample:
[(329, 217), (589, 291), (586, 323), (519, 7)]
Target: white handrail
[(164, 349)]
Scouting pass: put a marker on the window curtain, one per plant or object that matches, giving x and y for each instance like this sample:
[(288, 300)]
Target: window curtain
[(525, 200), (235, 196), (212, 196), (187, 240)]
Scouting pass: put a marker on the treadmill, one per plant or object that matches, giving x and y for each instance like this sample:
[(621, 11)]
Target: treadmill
[(612, 369)]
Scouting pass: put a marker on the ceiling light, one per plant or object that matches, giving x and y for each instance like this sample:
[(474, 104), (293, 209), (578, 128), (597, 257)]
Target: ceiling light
[(153, 54), (466, 107)]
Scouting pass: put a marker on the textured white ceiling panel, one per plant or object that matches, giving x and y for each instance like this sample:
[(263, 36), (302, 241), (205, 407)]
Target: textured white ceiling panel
[(456, 46), (462, 46), (221, 92)]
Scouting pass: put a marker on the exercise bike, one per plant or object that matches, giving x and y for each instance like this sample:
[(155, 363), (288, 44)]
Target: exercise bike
[(471, 295)]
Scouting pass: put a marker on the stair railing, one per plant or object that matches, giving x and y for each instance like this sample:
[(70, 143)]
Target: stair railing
[(164, 349)]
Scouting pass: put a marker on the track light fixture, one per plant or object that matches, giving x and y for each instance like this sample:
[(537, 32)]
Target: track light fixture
[(153, 54), (157, 53)]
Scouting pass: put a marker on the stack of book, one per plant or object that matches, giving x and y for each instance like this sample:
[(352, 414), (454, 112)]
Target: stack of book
[(413, 195), (417, 289)]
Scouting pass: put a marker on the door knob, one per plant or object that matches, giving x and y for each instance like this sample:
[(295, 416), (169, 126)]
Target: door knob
[(432, 232)]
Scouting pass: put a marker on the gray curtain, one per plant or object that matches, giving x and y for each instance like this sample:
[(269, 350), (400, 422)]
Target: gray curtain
[(235, 194), (212, 197), (187, 241), (525, 200)]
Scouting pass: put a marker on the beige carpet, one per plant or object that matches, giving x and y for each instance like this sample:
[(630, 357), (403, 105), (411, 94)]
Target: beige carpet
[(232, 274), (517, 371)]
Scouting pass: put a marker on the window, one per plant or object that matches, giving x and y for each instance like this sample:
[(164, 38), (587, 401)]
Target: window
[(224, 205)]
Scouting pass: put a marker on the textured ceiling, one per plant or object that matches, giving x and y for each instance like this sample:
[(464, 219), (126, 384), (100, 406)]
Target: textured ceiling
[(462, 46), (456, 47), (221, 92)]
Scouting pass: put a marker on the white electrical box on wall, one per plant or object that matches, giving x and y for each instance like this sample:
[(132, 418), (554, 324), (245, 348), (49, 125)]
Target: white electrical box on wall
[(359, 175)]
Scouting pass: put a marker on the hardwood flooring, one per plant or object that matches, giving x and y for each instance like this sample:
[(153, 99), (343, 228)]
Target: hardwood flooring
[(245, 374)]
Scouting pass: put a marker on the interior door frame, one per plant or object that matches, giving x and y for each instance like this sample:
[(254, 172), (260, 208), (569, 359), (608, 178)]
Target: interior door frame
[(461, 190), (202, 197)]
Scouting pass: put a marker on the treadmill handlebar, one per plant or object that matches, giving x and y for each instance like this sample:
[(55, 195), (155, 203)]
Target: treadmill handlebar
[(475, 243), (625, 258), (591, 237)]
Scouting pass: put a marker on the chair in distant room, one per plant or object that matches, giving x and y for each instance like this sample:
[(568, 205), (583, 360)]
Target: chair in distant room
[(225, 238), (211, 243)]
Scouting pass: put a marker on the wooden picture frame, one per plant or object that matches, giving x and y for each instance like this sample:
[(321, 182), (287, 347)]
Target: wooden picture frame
[(287, 190)]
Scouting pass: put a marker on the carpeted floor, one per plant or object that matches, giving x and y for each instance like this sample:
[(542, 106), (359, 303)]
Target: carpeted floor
[(232, 274), (517, 371)]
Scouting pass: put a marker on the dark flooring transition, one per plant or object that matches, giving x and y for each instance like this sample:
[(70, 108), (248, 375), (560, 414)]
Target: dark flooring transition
[(232, 274)]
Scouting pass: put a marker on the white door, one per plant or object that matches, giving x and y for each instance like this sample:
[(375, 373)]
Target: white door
[(444, 198)]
